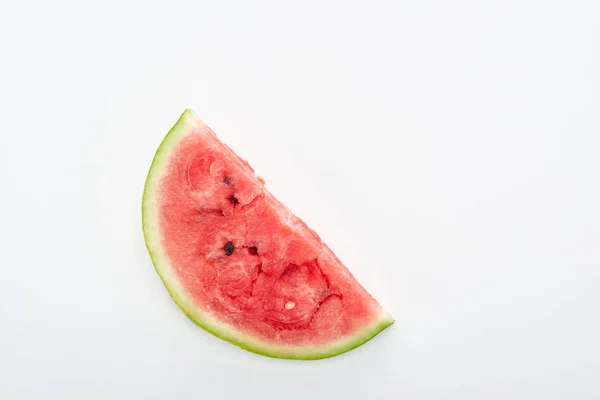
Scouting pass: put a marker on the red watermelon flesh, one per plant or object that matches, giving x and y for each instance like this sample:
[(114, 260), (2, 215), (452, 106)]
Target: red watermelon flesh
[(239, 263)]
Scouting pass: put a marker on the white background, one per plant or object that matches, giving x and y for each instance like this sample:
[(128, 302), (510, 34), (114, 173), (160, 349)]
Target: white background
[(448, 151)]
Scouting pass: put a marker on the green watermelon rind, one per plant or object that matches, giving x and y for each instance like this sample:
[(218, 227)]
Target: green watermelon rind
[(183, 127)]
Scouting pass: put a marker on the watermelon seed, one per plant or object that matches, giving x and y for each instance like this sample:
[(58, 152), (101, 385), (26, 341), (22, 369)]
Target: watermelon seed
[(227, 180), (253, 250), (289, 305), (289, 269), (229, 249), (233, 199)]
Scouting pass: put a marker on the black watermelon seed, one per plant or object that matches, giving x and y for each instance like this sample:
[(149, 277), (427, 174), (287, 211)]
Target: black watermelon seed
[(229, 248), (233, 199), (227, 180), (253, 250)]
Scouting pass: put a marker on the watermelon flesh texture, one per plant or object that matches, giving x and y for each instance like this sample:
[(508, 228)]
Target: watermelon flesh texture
[(239, 263)]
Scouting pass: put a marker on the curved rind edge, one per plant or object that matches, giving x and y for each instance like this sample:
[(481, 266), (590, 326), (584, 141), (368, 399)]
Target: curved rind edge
[(184, 126)]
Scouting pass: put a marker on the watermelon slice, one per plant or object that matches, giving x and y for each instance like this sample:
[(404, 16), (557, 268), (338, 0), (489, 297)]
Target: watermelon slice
[(239, 263)]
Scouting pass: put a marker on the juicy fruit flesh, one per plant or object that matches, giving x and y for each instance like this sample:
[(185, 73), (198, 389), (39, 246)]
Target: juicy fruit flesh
[(250, 261)]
